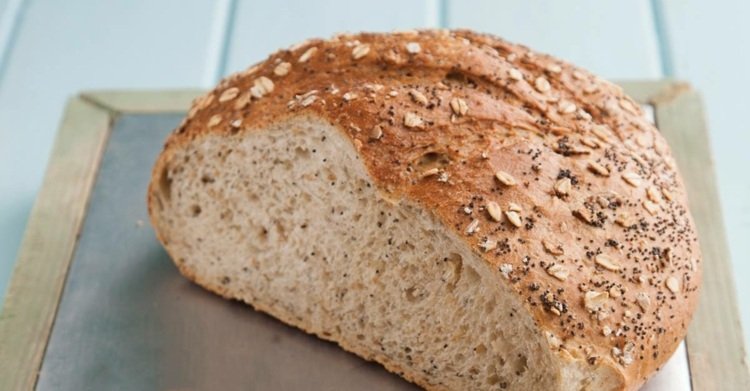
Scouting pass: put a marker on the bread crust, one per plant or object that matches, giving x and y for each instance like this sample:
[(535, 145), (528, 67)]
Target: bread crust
[(551, 174)]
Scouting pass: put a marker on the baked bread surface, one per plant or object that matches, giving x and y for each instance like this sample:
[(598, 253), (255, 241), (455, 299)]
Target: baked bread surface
[(548, 174)]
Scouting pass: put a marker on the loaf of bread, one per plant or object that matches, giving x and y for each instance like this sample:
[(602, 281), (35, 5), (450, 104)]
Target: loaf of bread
[(466, 212)]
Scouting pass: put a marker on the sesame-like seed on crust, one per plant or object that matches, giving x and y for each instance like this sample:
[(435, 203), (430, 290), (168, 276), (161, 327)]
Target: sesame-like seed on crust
[(308, 54), (650, 207), (607, 263), (494, 211), (459, 106), (282, 69), (643, 300), (594, 300), (562, 186), (229, 94), (214, 120), (566, 107), (632, 179), (541, 84), (553, 247), (261, 87), (515, 74), (488, 244), (472, 227), (505, 178), (377, 132), (412, 120), (413, 47), (558, 271), (653, 195), (360, 51), (597, 168), (673, 284), (430, 172), (418, 97), (514, 218)]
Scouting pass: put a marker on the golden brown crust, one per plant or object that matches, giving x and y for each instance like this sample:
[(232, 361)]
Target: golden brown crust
[(588, 218)]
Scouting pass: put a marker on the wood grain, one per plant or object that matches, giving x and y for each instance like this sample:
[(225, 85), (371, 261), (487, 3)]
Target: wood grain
[(48, 244), (172, 101), (262, 27), (696, 34), (614, 39), (59, 48), (715, 344), (715, 341)]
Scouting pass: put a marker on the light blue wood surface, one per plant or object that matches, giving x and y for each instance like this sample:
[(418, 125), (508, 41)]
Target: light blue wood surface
[(61, 47), (613, 38), (10, 14), (51, 49), (262, 27), (3, 5), (707, 44)]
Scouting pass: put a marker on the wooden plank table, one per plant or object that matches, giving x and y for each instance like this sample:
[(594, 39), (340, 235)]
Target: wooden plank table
[(50, 315), (614, 39), (705, 42)]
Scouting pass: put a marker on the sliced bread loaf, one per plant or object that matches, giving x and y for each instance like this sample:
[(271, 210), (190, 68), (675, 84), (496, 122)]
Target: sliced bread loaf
[(462, 210)]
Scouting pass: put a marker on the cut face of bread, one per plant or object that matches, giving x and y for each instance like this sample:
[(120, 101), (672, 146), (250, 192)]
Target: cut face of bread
[(288, 220)]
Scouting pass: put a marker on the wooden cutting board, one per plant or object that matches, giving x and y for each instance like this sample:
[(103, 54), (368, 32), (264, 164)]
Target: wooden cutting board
[(95, 303)]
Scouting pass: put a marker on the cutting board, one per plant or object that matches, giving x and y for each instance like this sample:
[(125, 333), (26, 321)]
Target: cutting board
[(96, 304)]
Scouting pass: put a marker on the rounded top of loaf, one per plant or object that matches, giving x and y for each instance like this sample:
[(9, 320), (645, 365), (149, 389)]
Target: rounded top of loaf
[(548, 172)]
